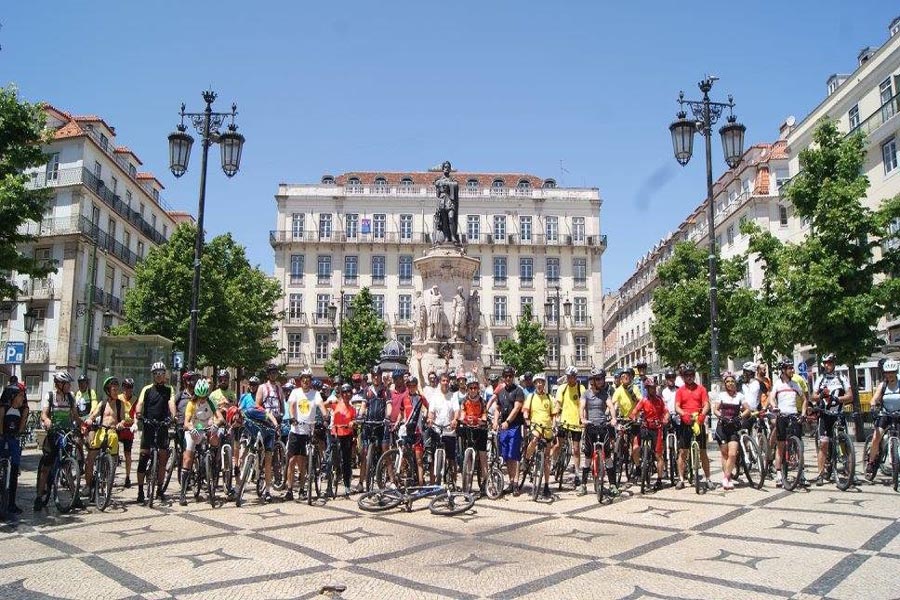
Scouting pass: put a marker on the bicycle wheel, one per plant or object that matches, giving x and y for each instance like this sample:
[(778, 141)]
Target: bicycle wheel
[(439, 466), (227, 467), (672, 458), (595, 470), (151, 478), (451, 503), (621, 459), (695, 465), (600, 477), (380, 500), (209, 468), (279, 465), (538, 469), (312, 476), (4, 486), (172, 462), (494, 486), (752, 460), (562, 463), (246, 472), (646, 462), (765, 453), (103, 480), (844, 461), (372, 466), (894, 450), (382, 469), (66, 484), (468, 470), (792, 462)]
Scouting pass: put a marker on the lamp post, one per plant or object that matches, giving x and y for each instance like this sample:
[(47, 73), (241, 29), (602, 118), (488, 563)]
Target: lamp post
[(30, 322), (551, 306), (339, 328), (207, 124), (706, 113)]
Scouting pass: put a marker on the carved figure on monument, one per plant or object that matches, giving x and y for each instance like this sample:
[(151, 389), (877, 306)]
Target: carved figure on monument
[(435, 315), (460, 315), (446, 217), (420, 318), (473, 316)]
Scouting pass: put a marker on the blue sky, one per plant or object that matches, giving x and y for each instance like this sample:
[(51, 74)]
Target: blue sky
[(493, 86)]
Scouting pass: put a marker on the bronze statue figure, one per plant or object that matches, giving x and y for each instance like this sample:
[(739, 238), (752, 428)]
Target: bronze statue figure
[(446, 217)]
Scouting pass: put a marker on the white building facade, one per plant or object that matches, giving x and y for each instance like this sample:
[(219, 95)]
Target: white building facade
[(364, 229), (103, 217)]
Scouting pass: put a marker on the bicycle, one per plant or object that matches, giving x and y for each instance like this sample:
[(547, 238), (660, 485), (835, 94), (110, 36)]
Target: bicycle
[(751, 459), (313, 471), (372, 442), (104, 469), (204, 469), (670, 450), (253, 453), (622, 451), (63, 481), (279, 464), (841, 459), (174, 460), (889, 453), (494, 486), (762, 433), (598, 457), (470, 456), (792, 456), (563, 457), (151, 478), (6, 470), (533, 468), (647, 455), (444, 471), (694, 466)]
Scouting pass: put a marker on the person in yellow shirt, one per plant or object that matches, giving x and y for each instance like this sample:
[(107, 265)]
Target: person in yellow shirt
[(568, 405), (540, 411), (126, 436), (626, 397)]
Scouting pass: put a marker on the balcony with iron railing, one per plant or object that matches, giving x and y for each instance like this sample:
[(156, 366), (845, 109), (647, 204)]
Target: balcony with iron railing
[(36, 289), (106, 300), (582, 322), (321, 319), (378, 280), (581, 361), (882, 115), (501, 321), (406, 280), (403, 321), (295, 359), (278, 237), (526, 282), (351, 280), (296, 319)]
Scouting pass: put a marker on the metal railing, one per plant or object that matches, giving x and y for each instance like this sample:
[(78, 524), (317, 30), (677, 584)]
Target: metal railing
[(882, 115), (321, 319), (296, 319), (582, 322), (501, 321), (403, 321), (38, 289)]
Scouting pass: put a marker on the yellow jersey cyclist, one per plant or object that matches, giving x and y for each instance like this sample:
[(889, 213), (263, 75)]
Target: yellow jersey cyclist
[(568, 406), (540, 411), (202, 420), (110, 412), (626, 397)]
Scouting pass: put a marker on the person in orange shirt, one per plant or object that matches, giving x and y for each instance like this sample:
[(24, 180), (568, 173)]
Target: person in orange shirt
[(474, 418), (342, 416)]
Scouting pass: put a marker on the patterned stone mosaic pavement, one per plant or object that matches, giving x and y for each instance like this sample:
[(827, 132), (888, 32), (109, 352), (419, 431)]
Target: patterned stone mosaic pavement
[(747, 543)]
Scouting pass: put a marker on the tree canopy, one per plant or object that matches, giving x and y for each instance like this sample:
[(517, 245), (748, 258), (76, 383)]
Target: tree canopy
[(22, 131), (362, 340), (237, 316), (527, 350)]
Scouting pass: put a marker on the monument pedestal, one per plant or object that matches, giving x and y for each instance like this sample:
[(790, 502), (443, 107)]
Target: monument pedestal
[(449, 345)]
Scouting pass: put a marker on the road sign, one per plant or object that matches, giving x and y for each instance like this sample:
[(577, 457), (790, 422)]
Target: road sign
[(14, 353), (177, 360)]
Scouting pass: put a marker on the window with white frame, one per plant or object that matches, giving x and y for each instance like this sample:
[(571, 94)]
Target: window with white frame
[(325, 226), (782, 176), (323, 268), (406, 227), (853, 117), (406, 186), (297, 266), (473, 228), (98, 169), (381, 186), (500, 312), (523, 188), (580, 310), (115, 184), (500, 270), (404, 307), (295, 347), (354, 186), (498, 188), (128, 198), (405, 340), (351, 225), (295, 306), (499, 228), (472, 187), (351, 269), (578, 229), (378, 304), (33, 385), (551, 228), (322, 303), (579, 271), (892, 239), (889, 155), (745, 186), (552, 348), (379, 225), (886, 92), (581, 346), (525, 228), (526, 270), (526, 301), (321, 347), (552, 270), (378, 268), (406, 266), (51, 173)]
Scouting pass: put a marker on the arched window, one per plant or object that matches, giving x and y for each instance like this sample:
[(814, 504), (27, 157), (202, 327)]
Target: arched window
[(354, 186), (498, 188), (327, 180), (381, 186), (406, 185), (549, 184), (472, 187), (523, 188)]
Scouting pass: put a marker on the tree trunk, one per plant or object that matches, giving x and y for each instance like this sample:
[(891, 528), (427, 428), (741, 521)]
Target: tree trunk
[(857, 412)]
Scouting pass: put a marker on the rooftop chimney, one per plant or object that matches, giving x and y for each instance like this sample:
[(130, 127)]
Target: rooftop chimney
[(894, 27), (864, 55)]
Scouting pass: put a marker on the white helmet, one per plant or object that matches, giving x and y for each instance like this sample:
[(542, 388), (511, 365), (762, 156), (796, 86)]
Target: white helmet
[(749, 366), (571, 370), (540, 376), (890, 366), (157, 366), (62, 377)]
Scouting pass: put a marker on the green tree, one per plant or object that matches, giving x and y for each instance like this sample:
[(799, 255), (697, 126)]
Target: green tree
[(527, 351), (22, 131), (838, 281), (237, 315), (681, 306), (362, 340)]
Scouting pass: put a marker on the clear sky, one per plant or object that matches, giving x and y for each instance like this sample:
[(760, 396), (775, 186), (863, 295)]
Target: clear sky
[(402, 85)]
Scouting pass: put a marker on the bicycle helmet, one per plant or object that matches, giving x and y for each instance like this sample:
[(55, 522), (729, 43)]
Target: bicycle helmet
[(598, 373), (669, 374), (83, 377), (62, 377), (689, 369), (528, 376), (830, 357), (346, 388), (128, 382), (187, 376), (288, 385), (317, 384), (271, 367), (541, 377), (728, 375), (641, 364), (254, 380), (749, 366), (786, 363), (649, 382), (471, 380), (201, 388), (157, 366), (509, 371), (397, 374), (413, 381), (305, 373), (224, 374), (108, 382), (571, 371), (890, 366)]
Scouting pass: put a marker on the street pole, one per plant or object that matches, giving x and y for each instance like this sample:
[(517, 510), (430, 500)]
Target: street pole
[(341, 337), (89, 308), (209, 97), (705, 86), (558, 339)]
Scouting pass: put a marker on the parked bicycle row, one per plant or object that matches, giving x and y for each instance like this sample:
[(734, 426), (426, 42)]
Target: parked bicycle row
[(451, 440)]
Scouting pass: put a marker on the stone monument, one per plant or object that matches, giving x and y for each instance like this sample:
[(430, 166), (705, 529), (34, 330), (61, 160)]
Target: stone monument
[(446, 312)]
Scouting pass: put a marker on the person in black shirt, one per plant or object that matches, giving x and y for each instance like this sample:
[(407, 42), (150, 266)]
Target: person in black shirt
[(508, 421), (156, 402)]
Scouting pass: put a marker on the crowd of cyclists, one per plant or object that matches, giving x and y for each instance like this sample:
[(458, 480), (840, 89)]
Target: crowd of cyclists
[(508, 419)]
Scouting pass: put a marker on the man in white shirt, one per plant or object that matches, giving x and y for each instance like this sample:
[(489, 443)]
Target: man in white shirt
[(443, 415), (785, 393), (302, 405)]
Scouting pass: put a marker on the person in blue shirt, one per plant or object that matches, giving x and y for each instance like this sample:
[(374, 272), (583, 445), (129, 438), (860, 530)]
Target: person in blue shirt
[(248, 400)]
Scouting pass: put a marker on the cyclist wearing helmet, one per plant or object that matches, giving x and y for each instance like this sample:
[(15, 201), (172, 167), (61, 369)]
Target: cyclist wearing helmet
[(527, 383), (202, 420), (156, 402), (304, 406), (401, 405), (270, 398), (885, 401), (626, 397), (783, 402), (110, 412), (85, 398), (598, 413), (126, 436), (731, 407), (641, 368), (13, 417), (377, 409), (568, 407), (540, 411), (223, 397), (58, 412), (753, 390), (691, 404), (508, 421), (653, 410), (474, 416), (831, 390)]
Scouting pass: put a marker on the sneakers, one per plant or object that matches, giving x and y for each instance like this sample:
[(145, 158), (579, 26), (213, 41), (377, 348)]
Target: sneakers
[(509, 489), (140, 498), (14, 510), (870, 473), (582, 490), (267, 497), (613, 491), (38, 505), (288, 496), (680, 484), (182, 501), (517, 491), (127, 482), (547, 493), (820, 480), (577, 481)]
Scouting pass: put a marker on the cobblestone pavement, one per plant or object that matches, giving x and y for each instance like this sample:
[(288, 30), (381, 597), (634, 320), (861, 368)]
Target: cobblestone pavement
[(746, 543)]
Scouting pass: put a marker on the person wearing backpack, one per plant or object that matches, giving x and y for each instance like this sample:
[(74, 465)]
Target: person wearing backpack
[(626, 397), (110, 412)]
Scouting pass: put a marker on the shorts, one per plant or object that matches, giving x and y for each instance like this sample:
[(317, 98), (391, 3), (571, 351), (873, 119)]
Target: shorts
[(575, 433), (884, 421), (605, 434), (296, 444), (127, 444), (155, 436), (9, 445), (268, 434), (727, 432), (782, 424), (654, 434), (510, 442), (112, 441), (374, 433), (826, 425), (686, 437), (193, 438), (537, 429), (479, 437)]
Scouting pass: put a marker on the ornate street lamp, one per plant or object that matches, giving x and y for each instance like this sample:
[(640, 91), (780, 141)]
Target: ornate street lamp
[(705, 114), (207, 124), (30, 318)]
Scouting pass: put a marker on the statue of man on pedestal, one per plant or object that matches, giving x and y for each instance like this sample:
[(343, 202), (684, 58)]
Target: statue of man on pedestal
[(435, 314), (473, 316), (420, 318), (446, 217), (460, 315)]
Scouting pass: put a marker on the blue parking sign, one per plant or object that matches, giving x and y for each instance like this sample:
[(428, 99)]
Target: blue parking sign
[(14, 353), (177, 360)]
